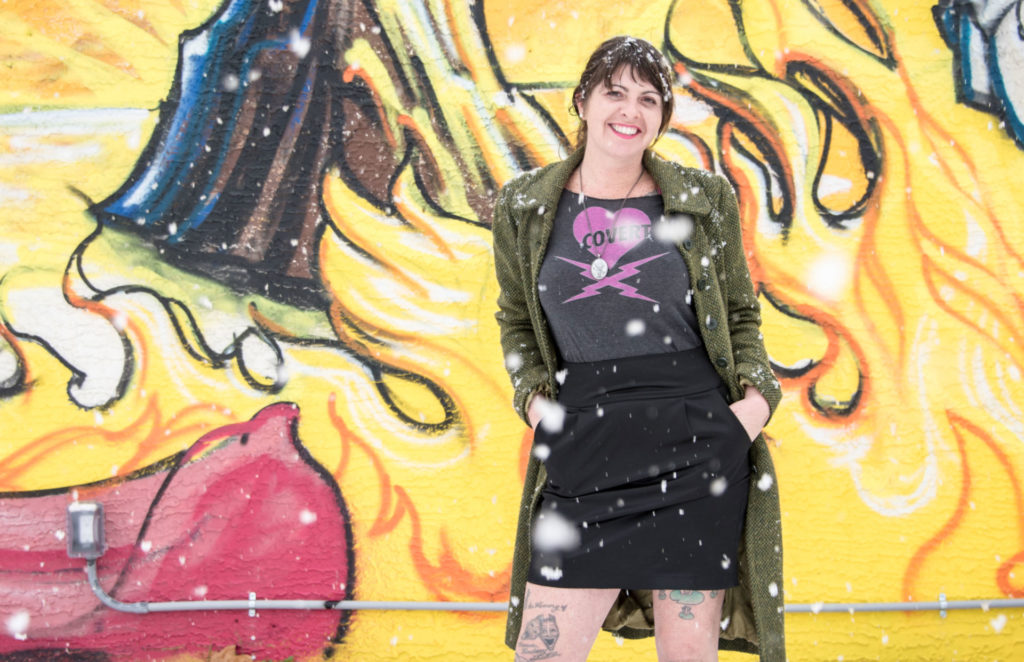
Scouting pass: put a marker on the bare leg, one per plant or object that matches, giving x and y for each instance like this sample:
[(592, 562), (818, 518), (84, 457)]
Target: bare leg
[(686, 625), (561, 624)]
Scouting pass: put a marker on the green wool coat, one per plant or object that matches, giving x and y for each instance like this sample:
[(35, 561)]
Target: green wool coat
[(729, 318)]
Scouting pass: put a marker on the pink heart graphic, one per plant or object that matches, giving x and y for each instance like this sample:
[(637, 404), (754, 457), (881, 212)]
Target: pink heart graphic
[(595, 230)]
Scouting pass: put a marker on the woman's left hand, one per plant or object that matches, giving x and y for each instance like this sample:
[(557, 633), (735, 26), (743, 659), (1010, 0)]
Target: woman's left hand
[(752, 411)]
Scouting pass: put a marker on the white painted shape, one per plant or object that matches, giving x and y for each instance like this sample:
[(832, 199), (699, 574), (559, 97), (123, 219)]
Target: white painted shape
[(11, 196), (74, 122), (799, 132), (978, 63), (84, 340), (976, 239), (830, 184), (689, 110), (1010, 63), (261, 359), (766, 227), (417, 319), (1003, 409), (28, 151), (991, 12), (8, 366)]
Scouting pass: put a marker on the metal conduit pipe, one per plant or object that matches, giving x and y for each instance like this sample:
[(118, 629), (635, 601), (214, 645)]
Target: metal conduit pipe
[(941, 605), (253, 604), (408, 605), (86, 540)]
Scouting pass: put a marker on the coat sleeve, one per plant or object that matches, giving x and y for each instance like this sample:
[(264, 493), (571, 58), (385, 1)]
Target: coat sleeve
[(749, 354), (523, 360)]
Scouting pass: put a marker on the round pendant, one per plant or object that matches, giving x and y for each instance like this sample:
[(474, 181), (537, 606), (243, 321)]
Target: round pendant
[(598, 269)]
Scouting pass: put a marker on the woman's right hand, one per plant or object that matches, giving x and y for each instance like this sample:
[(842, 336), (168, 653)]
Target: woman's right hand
[(535, 411)]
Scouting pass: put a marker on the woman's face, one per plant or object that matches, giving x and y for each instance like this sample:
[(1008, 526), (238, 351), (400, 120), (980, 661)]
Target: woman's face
[(622, 119)]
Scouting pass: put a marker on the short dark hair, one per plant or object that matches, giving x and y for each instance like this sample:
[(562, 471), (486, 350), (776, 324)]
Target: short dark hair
[(644, 61)]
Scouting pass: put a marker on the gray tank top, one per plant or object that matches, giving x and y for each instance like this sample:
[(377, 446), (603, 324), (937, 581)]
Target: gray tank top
[(643, 305)]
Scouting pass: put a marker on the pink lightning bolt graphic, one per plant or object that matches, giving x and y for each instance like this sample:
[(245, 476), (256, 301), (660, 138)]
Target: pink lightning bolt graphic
[(613, 280)]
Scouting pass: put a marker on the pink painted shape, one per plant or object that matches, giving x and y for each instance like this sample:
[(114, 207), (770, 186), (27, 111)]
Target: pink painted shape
[(244, 510), (628, 227)]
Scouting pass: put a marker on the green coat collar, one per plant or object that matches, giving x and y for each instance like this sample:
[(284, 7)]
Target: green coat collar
[(680, 194)]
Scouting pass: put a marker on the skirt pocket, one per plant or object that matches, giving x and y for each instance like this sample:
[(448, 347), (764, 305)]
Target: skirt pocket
[(729, 414), (615, 444), (719, 431)]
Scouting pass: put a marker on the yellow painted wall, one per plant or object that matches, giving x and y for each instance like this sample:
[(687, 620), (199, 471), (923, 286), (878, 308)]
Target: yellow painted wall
[(882, 218)]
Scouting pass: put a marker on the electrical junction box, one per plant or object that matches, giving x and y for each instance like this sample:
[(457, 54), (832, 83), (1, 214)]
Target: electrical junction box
[(85, 530)]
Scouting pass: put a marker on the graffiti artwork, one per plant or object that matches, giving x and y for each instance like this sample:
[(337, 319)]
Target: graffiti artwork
[(247, 297)]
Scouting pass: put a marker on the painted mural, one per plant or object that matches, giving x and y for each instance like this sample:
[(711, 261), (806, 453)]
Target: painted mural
[(246, 303)]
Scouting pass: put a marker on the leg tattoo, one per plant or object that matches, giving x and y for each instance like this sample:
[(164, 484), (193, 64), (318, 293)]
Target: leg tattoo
[(538, 640), (686, 599)]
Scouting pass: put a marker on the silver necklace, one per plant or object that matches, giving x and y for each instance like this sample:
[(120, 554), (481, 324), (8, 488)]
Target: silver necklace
[(599, 268)]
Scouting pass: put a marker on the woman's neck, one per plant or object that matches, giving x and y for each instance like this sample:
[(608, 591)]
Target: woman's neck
[(610, 180)]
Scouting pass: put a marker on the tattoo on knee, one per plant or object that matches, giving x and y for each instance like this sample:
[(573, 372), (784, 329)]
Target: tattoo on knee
[(537, 642), (686, 599)]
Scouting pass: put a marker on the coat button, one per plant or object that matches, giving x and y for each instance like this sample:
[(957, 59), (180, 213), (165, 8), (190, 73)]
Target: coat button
[(687, 244), (722, 362), (702, 283), (712, 324)]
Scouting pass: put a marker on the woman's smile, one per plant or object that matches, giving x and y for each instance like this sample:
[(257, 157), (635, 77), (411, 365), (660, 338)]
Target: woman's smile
[(625, 130)]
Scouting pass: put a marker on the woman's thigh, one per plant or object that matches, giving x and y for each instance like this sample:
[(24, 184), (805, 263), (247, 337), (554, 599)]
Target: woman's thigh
[(686, 625), (561, 623)]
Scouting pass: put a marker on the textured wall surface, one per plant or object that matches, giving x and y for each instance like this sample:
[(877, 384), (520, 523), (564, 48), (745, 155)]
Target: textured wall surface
[(246, 302)]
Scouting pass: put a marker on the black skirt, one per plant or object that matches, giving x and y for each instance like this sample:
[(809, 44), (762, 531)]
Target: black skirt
[(648, 476)]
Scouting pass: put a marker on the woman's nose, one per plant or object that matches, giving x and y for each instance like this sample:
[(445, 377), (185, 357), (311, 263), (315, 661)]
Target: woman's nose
[(631, 108)]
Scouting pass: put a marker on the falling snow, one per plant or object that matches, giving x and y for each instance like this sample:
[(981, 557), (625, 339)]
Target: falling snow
[(298, 44), (551, 574), (552, 415), (513, 361), (674, 230), (17, 625), (553, 532)]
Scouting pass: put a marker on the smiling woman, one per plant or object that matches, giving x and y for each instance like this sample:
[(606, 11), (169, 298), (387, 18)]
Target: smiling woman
[(624, 70), (647, 394)]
